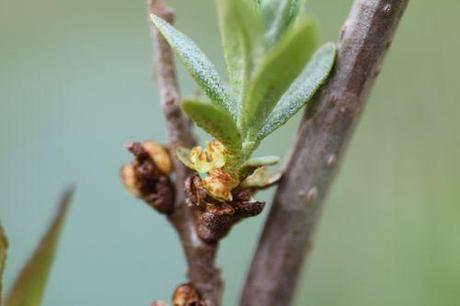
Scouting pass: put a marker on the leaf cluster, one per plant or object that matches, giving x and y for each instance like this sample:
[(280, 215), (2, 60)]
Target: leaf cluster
[(271, 66)]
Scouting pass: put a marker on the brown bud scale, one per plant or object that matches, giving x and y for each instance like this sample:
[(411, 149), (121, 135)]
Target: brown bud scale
[(147, 177)]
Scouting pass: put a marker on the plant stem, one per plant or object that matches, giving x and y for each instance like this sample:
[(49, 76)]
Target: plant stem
[(202, 273), (322, 138)]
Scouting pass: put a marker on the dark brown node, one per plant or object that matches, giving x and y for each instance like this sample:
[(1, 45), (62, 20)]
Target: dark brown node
[(149, 183), (215, 218), (187, 295)]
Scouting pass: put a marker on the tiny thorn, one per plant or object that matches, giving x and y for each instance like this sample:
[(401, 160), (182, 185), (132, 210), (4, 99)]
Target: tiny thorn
[(331, 160), (312, 195)]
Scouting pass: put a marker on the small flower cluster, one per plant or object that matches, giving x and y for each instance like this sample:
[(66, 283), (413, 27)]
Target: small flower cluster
[(221, 177)]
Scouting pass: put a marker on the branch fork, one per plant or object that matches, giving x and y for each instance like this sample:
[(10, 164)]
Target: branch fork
[(202, 221)]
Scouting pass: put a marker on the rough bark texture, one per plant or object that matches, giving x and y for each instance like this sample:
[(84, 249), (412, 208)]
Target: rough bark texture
[(200, 256), (322, 137)]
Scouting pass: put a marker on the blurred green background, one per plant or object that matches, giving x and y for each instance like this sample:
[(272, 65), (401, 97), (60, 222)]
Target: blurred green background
[(75, 85)]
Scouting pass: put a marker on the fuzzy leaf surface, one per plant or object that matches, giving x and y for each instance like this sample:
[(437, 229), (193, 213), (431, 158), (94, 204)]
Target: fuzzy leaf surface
[(198, 65), (29, 286), (302, 90), (278, 15), (242, 34), (280, 67), (215, 121)]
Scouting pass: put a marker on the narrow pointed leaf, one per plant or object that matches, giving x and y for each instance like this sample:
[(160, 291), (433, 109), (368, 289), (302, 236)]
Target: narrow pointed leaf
[(302, 90), (280, 67), (262, 161), (253, 164), (3, 249), (278, 15), (199, 66), (260, 178), (215, 121), (242, 39), (29, 287)]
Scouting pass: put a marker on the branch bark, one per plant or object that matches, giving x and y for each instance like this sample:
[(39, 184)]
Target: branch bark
[(200, 256), (322, 137)]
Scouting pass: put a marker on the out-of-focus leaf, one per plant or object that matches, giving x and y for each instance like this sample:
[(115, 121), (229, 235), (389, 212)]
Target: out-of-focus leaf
[(199, 66), (242, 39), (262, 161), (29, 287), (278, 15), (216, 122), (302, 90), (3, 249), (280, 67), (183, 154)]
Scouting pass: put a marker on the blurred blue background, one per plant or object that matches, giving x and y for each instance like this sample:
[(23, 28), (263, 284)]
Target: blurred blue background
[(75, 85)]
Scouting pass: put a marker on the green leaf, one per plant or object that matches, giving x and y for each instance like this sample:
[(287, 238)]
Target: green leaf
[(260, 178), (242, 39), (30, 285), (183, 154), (302, 90), (278, 15), (199, 66), (262, 161), (253, 164), (3, 249), (280, 67), (216, 122)]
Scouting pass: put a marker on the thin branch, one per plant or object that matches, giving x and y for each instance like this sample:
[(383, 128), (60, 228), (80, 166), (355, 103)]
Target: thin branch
[(322, 137), (202, 273), (179, 127)]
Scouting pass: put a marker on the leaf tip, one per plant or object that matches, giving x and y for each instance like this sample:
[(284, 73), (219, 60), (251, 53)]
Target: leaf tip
[(330, 46), (30, 284), (154, 18)]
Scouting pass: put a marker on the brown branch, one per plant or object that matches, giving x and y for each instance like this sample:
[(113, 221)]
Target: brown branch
[(322, 137), (202, 273)]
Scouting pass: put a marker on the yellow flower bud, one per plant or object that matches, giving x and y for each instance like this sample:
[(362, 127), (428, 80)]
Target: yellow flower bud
[(128, 177), (185, 295), (159, 155), (209, 159), (219, 185)]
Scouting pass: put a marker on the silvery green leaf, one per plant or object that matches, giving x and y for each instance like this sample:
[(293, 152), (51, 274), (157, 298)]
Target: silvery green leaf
[(215, 121), (278, 15), (253, 164), (242, 39), (260, 178), (302, 90), (29, 287), (281, 66), (199, 66)]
